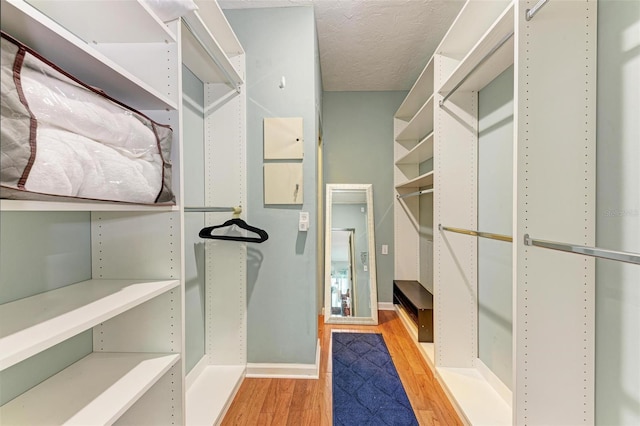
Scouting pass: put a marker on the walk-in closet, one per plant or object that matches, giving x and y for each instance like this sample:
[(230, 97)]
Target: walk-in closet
[(195, 198)]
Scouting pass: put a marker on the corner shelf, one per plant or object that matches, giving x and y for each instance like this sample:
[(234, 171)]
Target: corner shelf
[(98, 389), (71, 53), (423, 151), (418, 182), (35, 323), (420, 125)]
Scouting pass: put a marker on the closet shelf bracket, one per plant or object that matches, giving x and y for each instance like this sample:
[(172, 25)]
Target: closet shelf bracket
[(620, 256), (489, 235)]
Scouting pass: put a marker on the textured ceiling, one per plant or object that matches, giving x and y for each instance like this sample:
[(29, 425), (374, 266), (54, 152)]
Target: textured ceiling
[(372, 45)]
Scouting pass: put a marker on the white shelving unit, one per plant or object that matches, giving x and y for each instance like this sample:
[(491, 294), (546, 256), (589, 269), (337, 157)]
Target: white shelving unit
[(132, 304), (553, 294), (421, 181)]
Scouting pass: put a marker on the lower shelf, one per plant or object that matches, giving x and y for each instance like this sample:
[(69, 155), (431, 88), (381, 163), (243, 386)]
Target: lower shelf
[(98, 389), (475, 400), (212, 392)]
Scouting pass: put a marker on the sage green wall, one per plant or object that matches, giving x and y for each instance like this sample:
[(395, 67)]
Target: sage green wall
[(618, 213), (358, 148), (193, 154), (495, 214), (281, 281), (42, 251)]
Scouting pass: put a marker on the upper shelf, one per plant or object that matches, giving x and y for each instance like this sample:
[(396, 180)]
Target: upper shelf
[(93, 21), (487, 59), (203, 54), (420, 125), (475, 18), (33, 324), (421, 152), (76, 56), (418, 95)]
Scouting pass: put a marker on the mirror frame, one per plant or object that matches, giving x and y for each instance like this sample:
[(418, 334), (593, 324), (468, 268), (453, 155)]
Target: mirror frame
[(328, 319)]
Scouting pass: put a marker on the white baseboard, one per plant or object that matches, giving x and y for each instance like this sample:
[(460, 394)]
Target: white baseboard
[(286, 371), (196, 371), (385, 306)]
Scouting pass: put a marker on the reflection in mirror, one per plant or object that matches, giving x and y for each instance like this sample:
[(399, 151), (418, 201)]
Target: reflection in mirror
[(350, 276)]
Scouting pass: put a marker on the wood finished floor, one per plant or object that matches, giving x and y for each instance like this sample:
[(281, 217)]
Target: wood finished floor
[(302, 402)]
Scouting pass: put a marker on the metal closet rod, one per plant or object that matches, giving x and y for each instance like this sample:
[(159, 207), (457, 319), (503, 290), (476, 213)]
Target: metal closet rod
[(620, 256), (482, 61), (413, 194), (489, 235), (231, 81), (213, 209), (530, 13)]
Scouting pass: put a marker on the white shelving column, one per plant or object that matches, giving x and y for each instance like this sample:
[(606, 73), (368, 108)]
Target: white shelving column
[(133, 301), (554, 294), (216, 57)]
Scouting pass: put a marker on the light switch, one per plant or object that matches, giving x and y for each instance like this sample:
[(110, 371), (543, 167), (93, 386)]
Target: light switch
[(385, 249), (303, 222)]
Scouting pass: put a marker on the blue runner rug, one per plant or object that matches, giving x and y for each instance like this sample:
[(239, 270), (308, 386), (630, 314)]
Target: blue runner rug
[(366, 386)]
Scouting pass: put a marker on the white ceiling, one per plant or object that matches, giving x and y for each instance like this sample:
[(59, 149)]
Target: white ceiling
[(372, 45)]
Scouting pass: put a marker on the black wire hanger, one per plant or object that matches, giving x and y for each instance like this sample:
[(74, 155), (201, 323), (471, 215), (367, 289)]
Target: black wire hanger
[(263, 236)]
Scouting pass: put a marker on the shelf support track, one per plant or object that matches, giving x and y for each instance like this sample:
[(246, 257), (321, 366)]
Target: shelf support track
[(530, 13), (413, 194), (489, 235), (482, 61), (620, 256)]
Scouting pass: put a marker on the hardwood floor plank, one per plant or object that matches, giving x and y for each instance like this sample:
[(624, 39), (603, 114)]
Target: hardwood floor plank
[(303, 402)]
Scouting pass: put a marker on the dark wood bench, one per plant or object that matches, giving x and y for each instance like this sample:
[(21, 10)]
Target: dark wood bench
[(417, 301)]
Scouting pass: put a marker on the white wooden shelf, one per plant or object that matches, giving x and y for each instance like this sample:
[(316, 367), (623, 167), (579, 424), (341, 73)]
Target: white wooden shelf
[(211, 393), (93, 21), (203, 55), (475, 18), (96, 390), (420, 125), (423, 151), (212, 14), (418, 182), (474, 397), (33, 324), (418, 95), (71, 53), (27, 205), (494, 65)]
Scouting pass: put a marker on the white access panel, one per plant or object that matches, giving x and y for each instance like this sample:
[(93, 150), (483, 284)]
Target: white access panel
[(283, 183), (554, 170), (283, 138)]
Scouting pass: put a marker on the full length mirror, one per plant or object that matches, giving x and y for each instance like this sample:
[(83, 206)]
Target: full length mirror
[(350, 263)]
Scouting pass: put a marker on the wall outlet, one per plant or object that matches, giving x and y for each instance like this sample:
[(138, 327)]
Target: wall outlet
[(303, 221)]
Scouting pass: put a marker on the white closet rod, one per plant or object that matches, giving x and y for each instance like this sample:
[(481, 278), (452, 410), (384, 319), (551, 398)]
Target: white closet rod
[(230, 80), (620, 256), (482, 61), (489, 235), (413, 194), (530, 13)]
